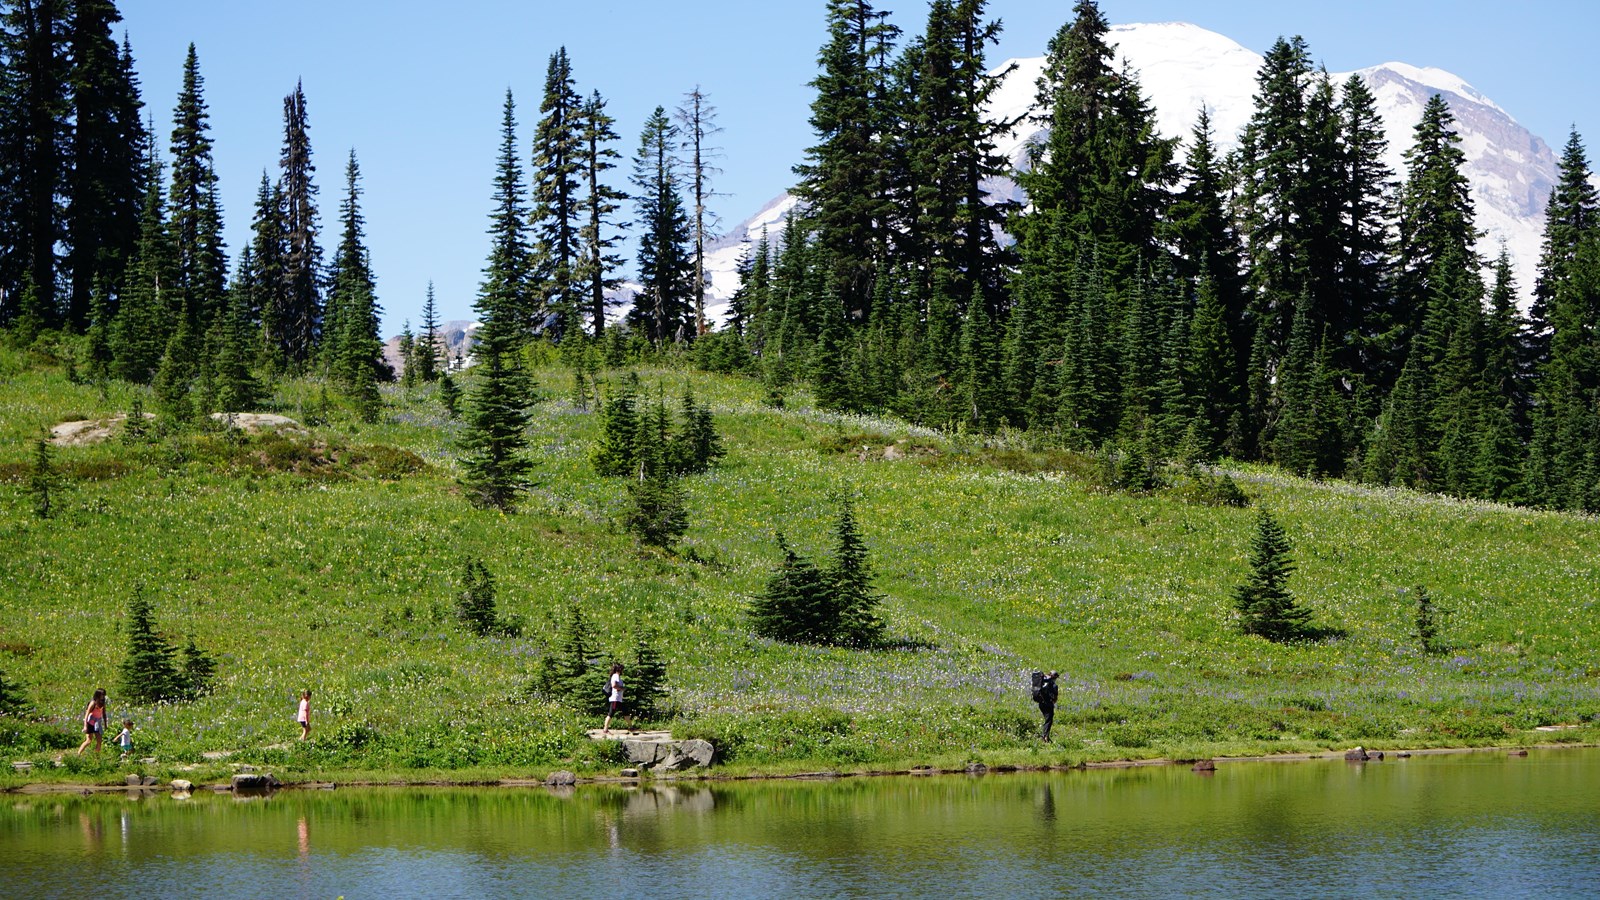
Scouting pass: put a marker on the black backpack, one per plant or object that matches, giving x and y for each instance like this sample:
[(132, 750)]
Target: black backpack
[(1038, 686)]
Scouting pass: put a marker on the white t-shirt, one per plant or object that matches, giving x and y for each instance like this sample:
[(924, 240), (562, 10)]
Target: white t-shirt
[(304, 715), (616, 687)]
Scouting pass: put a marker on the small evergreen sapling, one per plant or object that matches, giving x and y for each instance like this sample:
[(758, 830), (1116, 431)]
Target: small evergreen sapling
[(646, 678), (475, 605), (449, 395), (42, 480), (1427, 622), (850, 576), (13, 702), (149, 671), (566, 673), (198, 671), (1265, 605), (796, 606)]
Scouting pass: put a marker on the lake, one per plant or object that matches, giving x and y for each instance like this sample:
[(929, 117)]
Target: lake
[(1459, 825)]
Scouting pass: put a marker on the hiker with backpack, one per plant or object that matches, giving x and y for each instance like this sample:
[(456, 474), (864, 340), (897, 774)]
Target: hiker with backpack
[(1044, 694)]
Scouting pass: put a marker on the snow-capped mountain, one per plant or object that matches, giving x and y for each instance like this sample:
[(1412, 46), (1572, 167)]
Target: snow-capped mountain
[(1183, 67)]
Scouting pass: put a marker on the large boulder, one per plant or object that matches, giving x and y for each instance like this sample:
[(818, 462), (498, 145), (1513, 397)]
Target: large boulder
[(645, 753), (691, 754)]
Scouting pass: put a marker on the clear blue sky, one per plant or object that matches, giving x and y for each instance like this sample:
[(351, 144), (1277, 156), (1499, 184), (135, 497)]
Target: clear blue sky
[(416, 88)]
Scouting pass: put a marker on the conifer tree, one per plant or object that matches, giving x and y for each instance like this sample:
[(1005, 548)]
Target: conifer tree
[(429, 344), (105, 188), (598, 264), (265, 280), (1572, 213), (1101, 175), (567, 672), (1266, 606), (664, 305), (844, 181), (698, 118), (352, 347), (301, 318), (145, 317), (507, 297), (617, 451), (449, 394), (14, 703), (1436, 221), (656, 512), (475, 603), (34, 145), (196, 216), (408, 357), (952, 156), (648, 688), (197, 671), (557, 194), (850, 578), (149, 671), (42, 480), (1427, 622), (496, 465), (236, 389), (796, 606)]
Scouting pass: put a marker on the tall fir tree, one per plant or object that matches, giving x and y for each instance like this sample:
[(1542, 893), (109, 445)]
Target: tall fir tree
[(597, 236), (299, 328), (106, 186), (34, 145), (195, 215), (698, 118), (844, 181), (145, 318), (352, 347), (507, 300), (557, 195), (663, 307), (430, 345)]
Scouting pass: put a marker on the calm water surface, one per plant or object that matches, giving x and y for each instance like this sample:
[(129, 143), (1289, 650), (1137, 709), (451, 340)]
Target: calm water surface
[(1477, 825)]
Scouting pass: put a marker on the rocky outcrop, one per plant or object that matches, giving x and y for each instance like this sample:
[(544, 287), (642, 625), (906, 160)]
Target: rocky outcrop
[(561, 779)]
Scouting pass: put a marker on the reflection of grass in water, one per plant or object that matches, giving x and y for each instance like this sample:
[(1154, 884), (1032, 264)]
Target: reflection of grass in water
[(995, 559)]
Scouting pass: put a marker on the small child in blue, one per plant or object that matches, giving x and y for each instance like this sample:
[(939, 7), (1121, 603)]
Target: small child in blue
[(125, 738)]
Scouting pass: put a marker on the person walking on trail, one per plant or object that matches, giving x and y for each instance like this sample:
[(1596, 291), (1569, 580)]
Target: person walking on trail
[(303, 715), (94, 721), (1045, 694), (614, 695)]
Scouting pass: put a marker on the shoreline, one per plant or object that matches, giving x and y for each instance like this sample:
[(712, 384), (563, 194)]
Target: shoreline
[(976, 770)]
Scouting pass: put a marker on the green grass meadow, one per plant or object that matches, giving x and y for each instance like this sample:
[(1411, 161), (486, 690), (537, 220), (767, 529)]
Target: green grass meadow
[(332, 563)]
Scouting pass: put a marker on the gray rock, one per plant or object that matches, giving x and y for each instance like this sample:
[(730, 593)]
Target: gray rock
[(560, 779), (22, 765), (691, 754), (179, 784), (977, 769), (133, 781), (1359, 754), (1204, 765), (630, 773), (644, 753), (254, 782)]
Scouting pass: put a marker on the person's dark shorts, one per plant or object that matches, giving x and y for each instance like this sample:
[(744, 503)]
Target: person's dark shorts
[(615, 705)]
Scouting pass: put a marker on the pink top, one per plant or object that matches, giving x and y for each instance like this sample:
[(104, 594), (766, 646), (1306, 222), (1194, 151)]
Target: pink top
[(305, 711)]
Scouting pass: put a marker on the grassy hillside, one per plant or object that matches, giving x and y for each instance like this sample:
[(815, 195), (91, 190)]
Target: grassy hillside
[(332, 563)]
